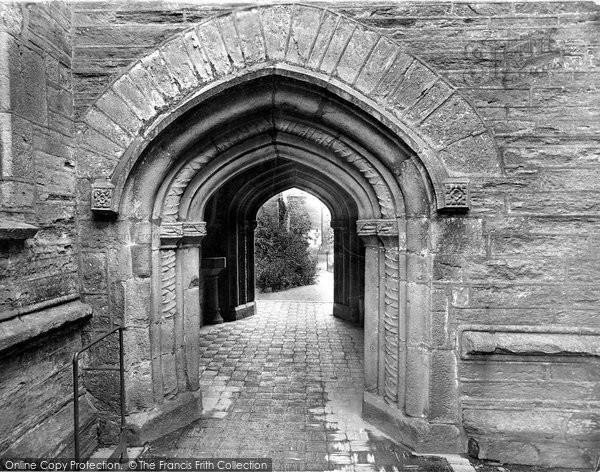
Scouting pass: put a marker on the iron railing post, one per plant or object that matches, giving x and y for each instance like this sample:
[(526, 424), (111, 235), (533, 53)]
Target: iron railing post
[(121, 369)]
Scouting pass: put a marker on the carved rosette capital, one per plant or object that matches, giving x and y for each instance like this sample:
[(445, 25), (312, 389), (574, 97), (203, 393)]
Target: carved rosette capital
[(102, 197), (457, 195)]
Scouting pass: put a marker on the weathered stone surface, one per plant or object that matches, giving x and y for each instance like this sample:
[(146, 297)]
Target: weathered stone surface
[(27, 84), (157, 69), (117, 110), (517, 422), (357, 51), (250, 31), (415, 81), (94, 272), (326, 31), (376, 65), (430, 99), (197, 56), (474, 155), (231, 40), (302, 33), (278, 18), (525, 254), (17, 230), (139, 76), (451, 122), (480, 342), (179, 64), (444, 391), (11, 17), (111, 130), (388, 82), (21, 329), (212, 43)]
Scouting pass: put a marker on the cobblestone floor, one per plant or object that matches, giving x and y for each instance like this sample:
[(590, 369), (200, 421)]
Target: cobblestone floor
[(287, 384)]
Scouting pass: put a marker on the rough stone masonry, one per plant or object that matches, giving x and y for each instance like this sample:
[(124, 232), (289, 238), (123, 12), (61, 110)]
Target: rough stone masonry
[(457, 143)]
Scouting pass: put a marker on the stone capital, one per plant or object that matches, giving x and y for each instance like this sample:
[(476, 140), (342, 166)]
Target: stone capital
[(457, 195), (377, 227), (102, 196), (182, 232), (384, 230)]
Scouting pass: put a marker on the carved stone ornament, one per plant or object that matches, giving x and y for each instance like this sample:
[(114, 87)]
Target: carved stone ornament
[(456, 195), (172, 233), (380, 227), (102, 196), (194, 229)]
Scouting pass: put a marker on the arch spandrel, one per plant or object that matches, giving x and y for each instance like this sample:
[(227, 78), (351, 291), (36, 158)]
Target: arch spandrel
[(343, 55)]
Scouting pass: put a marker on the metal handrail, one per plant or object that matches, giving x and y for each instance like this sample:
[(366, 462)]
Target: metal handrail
[(121, 370)]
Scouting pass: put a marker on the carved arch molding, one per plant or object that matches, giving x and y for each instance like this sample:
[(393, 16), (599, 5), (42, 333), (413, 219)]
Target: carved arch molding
[(402, 139)]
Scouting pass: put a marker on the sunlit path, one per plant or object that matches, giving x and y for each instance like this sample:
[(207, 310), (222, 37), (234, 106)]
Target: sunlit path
[(322, 291), (287, 384)]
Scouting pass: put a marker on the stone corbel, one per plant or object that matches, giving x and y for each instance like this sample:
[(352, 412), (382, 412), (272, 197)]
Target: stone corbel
[(181, 232), (102, 197), (457, 196)]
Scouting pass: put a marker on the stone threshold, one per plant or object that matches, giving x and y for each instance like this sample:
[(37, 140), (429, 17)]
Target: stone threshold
[(26, 327)]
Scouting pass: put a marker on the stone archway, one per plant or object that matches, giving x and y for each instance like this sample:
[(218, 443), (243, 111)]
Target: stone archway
[(339, 101)]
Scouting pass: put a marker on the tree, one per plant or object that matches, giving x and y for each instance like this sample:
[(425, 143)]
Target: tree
[(282, 256)]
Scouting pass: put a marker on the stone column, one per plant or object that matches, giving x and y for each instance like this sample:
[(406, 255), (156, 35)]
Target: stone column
[(355, 275), (243, 305), (340, 270), (179, 321), (250, 229), (373, 344), (241, 257), (384, 328), (418, 346)]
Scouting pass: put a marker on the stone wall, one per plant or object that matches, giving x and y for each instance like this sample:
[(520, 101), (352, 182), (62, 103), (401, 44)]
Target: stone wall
[(39, 285), (532, 262), (529, 271), (38, 165)]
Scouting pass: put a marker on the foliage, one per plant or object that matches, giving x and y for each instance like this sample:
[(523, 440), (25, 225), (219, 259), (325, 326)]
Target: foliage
[(282, 257)]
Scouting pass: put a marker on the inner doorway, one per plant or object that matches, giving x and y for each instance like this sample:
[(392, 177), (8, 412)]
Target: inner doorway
[(231, 225), (294, 249)]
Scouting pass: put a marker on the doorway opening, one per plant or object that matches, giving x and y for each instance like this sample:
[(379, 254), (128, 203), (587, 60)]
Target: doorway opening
[(294, 249), (286, 192), (215, 165)]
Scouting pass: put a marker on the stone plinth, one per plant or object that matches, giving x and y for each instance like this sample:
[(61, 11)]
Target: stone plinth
[(211, 268)]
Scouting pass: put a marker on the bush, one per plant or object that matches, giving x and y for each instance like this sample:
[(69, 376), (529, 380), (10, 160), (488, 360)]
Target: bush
[(282, 257)]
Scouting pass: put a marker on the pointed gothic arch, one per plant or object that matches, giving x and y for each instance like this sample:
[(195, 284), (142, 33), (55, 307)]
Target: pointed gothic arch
[(341, 103)]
